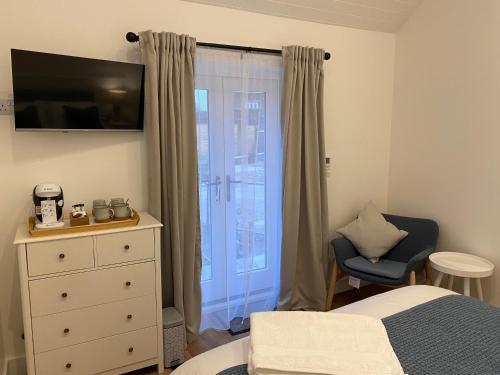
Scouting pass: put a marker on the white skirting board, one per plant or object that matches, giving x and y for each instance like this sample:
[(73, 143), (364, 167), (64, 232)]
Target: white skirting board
[(14, 366)]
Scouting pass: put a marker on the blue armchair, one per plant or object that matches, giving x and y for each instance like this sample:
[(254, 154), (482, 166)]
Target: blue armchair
[(398, 266)]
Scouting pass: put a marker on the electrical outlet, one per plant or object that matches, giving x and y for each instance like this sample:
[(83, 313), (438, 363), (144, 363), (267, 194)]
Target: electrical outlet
[(6, 106)]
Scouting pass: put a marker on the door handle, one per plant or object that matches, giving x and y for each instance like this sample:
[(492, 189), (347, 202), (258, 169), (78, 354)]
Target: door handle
[(228, 186), (216, 183)]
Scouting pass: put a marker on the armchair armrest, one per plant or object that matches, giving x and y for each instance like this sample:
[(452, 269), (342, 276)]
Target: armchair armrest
[(343, 249), (417, 262)]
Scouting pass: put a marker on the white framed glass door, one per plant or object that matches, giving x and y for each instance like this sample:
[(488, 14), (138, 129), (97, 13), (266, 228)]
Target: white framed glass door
[(211, 188), (251, 167), (239, 161)]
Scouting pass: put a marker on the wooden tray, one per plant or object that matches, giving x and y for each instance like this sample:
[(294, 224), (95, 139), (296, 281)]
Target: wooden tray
[(92, 226)]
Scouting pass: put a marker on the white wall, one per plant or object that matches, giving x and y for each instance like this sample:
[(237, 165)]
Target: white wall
[(358, 101), (445, 157)]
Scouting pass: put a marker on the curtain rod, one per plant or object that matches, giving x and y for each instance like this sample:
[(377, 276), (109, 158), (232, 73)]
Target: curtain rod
[(133, 37)]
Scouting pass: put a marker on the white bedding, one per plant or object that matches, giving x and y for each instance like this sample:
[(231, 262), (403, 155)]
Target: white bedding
[(379, 306)]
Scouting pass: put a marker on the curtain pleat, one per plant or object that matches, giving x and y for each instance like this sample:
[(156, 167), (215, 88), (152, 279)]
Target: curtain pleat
[(170, 127), (304, 256)]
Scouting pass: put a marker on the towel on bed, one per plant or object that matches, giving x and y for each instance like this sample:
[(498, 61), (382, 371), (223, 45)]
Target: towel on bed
[(299, 342)]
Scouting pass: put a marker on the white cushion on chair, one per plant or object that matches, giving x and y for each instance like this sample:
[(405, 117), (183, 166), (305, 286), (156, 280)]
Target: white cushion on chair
[(371, 234)]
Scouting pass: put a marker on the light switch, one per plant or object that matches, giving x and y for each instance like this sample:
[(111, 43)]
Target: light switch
[(6, 107), (328, 163)]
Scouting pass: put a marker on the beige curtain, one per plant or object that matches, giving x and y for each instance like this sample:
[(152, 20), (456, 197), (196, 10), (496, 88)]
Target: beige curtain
[(304, 254), (170, 127)]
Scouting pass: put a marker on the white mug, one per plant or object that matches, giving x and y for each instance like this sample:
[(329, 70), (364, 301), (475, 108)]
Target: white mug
[(103, 213), (122, 211)]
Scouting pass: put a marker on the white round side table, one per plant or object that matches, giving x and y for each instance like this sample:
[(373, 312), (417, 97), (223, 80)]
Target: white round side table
[(462, 265)]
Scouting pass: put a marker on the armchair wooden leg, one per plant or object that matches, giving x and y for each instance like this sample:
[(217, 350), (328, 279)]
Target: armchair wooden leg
[(428, 273), (331, 286), (413, 278)]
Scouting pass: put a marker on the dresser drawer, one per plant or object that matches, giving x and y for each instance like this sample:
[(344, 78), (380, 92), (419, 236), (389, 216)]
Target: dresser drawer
[(78, 326), (125, 247), (59, 256), (99, 355), (64, 293)]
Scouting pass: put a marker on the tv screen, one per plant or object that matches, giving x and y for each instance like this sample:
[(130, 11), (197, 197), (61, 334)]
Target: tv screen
[(66, 93)]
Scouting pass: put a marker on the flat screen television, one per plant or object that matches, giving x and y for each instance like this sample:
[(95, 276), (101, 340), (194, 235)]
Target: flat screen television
[(65, 93)]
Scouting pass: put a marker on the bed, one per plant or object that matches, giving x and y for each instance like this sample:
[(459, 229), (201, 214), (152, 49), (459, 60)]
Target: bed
[(379, 306)]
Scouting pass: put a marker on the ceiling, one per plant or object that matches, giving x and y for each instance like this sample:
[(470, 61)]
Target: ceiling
[(378, 15)]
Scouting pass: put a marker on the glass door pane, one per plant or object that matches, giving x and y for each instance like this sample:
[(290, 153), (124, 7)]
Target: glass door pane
[(249, 168), (203, 139)]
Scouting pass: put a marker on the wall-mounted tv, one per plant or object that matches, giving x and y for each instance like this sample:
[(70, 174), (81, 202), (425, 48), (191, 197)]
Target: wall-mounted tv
[(65, 93)]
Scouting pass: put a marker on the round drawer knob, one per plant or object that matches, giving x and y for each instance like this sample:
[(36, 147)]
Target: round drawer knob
[(129, 316), (68, 365), (64, 295), (128, 283), (126, 247), (130, 350), (66, 330), (61, 256)]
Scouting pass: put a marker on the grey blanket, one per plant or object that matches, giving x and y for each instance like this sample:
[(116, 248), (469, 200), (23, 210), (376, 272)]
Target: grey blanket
[(451, 335)]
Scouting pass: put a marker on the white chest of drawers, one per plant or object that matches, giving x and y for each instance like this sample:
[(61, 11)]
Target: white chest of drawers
[(92, 301)]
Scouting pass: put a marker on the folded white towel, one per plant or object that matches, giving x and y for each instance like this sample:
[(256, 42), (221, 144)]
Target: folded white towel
[(299, 342)]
